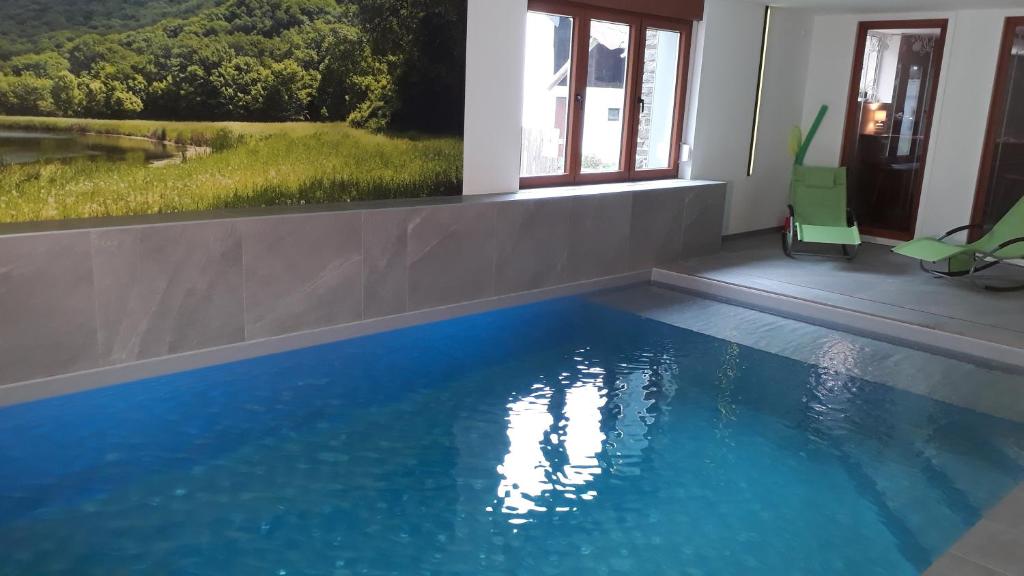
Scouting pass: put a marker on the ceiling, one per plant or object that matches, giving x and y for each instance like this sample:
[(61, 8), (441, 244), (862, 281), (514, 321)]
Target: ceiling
[(895, 5)]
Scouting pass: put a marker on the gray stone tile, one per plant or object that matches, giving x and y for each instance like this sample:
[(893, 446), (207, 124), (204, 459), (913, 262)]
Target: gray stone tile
[(451, 255), (302, 272), (599, 238), (1010, 512), (956, 565), (532, 244), (47, 306), (656, 228), (703, 214), (386, 274), (994, 546), (876, 279), (167, 289)]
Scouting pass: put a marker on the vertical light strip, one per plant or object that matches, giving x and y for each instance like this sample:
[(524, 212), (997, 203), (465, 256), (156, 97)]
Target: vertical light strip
[(760, 89)]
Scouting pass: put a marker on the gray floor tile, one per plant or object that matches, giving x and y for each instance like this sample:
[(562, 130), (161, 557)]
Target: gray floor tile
[(994, 546), (956, 565), (1010, 512), (875, 281)]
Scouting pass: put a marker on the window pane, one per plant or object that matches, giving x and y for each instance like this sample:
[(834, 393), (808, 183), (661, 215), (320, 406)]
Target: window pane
[(605, 96), (658, 94), (546, 94)]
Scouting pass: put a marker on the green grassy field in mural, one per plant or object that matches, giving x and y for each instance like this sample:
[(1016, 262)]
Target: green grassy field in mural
[(241, 165)]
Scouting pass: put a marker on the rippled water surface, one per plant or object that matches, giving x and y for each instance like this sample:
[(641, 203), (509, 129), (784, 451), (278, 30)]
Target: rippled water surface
[(557, 438)]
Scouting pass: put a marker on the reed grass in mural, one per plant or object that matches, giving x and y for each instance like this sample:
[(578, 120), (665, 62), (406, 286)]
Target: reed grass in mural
[(259, 165), (209, 104)]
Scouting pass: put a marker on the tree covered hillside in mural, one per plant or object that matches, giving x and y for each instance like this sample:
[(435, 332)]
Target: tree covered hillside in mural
[(128, 107), (38, 25), (379, 64)]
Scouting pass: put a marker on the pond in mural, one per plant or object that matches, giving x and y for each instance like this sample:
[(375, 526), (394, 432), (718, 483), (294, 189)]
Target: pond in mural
[(27, 146), (125, 107)]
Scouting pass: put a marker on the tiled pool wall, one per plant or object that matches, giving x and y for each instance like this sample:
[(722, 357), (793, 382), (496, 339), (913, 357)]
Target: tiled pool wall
[(75, 301)]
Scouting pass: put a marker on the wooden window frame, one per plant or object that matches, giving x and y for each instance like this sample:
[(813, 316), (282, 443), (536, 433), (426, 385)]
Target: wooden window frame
[(997, 110), (639, 24), (849, 141)]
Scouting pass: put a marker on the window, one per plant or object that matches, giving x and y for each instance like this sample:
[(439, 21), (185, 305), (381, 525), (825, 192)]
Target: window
[(602, 96)]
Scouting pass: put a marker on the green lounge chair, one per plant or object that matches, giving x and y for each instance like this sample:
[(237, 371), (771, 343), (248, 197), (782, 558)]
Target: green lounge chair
[(818, 212), (1004, 242)]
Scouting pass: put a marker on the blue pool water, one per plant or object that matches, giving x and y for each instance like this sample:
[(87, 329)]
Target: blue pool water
[(556, 438)]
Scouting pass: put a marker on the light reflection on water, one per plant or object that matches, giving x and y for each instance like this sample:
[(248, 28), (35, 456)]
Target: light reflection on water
[(524, 471), (562, 437)]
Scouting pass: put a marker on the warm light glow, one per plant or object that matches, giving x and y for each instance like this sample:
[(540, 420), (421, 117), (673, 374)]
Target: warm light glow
[(760, 90)]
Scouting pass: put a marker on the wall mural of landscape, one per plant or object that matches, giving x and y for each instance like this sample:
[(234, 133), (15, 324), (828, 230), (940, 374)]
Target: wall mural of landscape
[(125, 107)]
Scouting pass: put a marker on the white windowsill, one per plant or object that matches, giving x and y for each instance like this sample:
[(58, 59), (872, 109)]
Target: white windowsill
[(633, 186)]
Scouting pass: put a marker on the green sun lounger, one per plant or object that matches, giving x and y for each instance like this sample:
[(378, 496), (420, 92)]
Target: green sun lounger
[(1004, 242), (818, 212)]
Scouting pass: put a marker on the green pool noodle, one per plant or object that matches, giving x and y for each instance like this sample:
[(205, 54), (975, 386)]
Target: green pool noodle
[(810, 135)]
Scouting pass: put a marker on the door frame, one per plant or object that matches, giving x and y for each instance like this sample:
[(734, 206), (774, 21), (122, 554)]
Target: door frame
[(996, 109), (853, 109)]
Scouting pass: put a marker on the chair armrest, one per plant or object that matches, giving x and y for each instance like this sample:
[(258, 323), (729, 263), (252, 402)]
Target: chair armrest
[(958, 230), (1007, 244), (994, 255), (995, 259)]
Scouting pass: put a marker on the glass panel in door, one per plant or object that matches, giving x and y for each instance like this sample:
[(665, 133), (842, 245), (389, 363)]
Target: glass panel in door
[(887, 142), (605, 98), (660, 75), (546, 94), (1002, 183)]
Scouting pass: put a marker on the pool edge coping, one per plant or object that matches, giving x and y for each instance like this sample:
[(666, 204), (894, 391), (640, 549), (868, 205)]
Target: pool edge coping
[(973, 350)]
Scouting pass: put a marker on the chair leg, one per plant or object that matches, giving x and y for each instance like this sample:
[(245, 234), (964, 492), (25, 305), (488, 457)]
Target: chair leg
[(939, 274), (850, 252), (1004, 289), (991, 288), (788, 236), (787, 243)]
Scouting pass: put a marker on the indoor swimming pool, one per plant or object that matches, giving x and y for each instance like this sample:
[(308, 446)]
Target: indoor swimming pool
[(570, 436)]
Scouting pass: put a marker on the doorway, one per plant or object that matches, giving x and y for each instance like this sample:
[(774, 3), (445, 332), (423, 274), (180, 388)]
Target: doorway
[(888, 122), (1001, 180)]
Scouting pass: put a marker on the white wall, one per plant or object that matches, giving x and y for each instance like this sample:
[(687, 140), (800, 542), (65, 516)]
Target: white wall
[(954, 160), (495, 47), (723, 79), (725, 107), (961, 111)]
